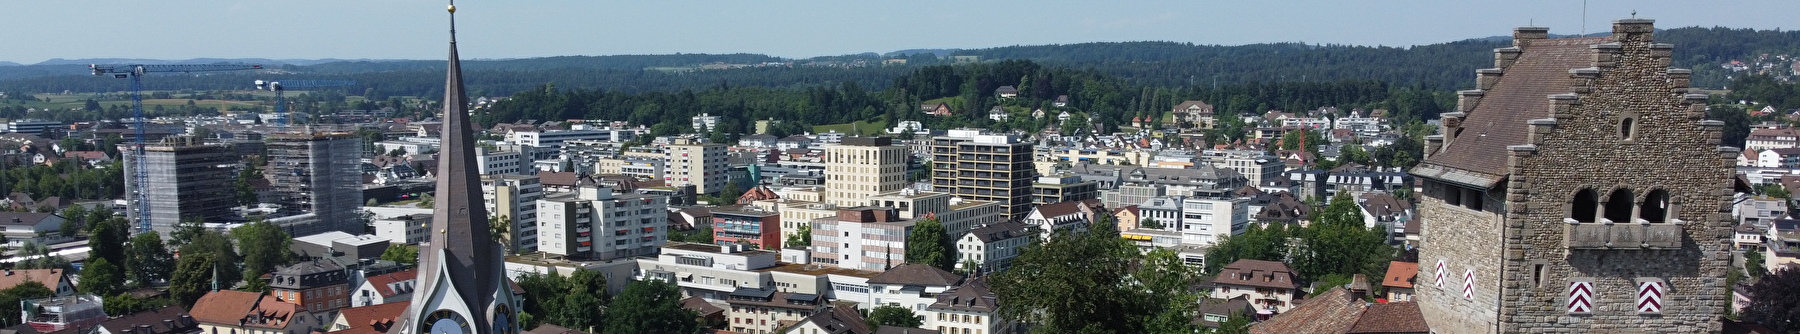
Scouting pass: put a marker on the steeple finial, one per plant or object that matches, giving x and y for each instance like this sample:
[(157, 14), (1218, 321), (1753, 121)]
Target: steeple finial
[(452, 21)]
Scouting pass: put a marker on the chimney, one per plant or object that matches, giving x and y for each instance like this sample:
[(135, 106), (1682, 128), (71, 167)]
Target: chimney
[(1359, 287), (1522, 36), (169, 323)]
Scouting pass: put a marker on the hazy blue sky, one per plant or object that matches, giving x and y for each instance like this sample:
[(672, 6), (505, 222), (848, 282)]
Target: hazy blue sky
[(414, 29)]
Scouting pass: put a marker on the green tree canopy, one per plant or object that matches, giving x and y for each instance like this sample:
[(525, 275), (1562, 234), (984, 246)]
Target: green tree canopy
[(929, 244), (1076, 282), (264, 246), (573, 301), (1776, 309), (107, 239), (1338, 243), (649, 306), (889, 315), (802, 237), (147, 260), (101, 277), (408, 254), (10, 298)]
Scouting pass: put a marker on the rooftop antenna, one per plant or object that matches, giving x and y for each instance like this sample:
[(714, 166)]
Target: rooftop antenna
[(1583, 18)]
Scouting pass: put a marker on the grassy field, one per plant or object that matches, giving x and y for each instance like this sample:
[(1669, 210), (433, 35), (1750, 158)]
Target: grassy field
[(59, 101), (864, 127)]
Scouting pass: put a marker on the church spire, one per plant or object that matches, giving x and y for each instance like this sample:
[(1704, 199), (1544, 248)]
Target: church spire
[(461, 273)]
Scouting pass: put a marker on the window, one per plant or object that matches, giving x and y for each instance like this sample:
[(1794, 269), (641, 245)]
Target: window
[(1618, 206), (1585, 205), (1627, 127), (1655, 208)]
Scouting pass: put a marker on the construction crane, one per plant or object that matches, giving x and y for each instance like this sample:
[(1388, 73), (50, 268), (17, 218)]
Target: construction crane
[(136, 74), (280, 87)]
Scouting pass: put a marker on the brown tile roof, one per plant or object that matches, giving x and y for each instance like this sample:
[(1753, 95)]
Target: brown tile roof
[(1224, 307), (1402, 317), (905, 330), (1059, 209), (49, 277), (699, 305), (916, 274), (178, 322), (1257, 273), (840, 320), (1333, 312), (1520, 95), (225, 306), (1205, 108), (1400, 274), (372, 319), (565, 179), (23, 218), (972, 296), (382, 282)]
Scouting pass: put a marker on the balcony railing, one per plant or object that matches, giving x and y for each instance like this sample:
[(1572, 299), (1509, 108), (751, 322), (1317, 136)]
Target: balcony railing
[(1604, 235)]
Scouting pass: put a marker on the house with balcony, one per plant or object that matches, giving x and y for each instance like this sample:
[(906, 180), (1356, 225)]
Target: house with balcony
[(758, 310), (1271, 287), (759, 229)]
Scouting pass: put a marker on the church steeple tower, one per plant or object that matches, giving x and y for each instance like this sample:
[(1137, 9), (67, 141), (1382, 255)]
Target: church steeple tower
[(462, 284)]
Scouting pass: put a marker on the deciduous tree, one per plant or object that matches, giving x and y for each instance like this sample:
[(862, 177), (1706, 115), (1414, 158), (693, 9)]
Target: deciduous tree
[(1774, 306), (889, 315), (147, 261), (649, 306), (264, 246), (102, 277), (928, 244)]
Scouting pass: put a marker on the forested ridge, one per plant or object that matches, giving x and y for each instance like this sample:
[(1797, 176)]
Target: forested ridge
[(1444, 66)]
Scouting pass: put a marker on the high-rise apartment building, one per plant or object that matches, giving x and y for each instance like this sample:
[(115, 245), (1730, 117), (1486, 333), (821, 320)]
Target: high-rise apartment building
[(594, 223), (514, 198), (694, 162), (184, 182), (318, 174), (984, 167), (861, 167)]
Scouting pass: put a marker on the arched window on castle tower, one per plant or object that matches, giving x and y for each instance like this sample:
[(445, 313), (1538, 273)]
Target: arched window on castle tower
[(1585, 206), (1656, 207), (1618, 206)]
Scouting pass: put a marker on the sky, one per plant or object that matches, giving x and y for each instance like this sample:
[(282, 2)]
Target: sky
[(493, 29)]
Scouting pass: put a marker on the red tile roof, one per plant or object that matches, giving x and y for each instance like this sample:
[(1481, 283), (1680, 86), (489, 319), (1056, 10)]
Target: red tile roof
[(1400, 274), (372, 319), (49, 277), (1402, 317), (224, 307), (382, 282), (1333, 312), (1059, 209), (1257, 273)]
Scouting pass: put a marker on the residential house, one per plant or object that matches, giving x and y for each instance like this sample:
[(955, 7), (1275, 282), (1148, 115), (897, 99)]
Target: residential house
[(1195, 112), (1061, 101), (834, 320), (31, 227), (317, 286), (998, 114), (1128, 217), (1747, 237), (1005, 92), (1785, 157), (1383, 209), (1770, 138), (939, 109), (243, 312), (760, 140), (968, 308), (1049, 218), (913, 286), (992, 247), (386, 288), (1399, 281), (55, 279), (794, 142), (368, 319), (1270, 286), (765, 310), (167, 320), (1216, 311)]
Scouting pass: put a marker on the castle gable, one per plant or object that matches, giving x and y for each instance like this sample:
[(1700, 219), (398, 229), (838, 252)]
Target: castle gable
[(1474, 142)]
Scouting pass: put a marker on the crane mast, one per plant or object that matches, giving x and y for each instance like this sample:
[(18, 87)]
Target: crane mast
[(136, 72)]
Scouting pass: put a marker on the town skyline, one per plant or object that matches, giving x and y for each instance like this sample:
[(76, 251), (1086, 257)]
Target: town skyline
[(404, 30)]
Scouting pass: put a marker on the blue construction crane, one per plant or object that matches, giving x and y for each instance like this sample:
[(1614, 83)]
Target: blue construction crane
[(280, 87), (136, 73)]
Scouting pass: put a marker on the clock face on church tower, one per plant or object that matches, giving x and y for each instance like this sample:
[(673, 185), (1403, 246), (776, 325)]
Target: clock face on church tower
[(503, 320), (446, 322)]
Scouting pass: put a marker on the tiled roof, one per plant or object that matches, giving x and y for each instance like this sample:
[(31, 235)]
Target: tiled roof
[(1192, 103), (699, 305), (566, 179), (1224, 307), (905, 330), (1401, 317), (1059, 209), (49, 277), (1400, 274), (225, 306), (553, 329), (839, 320), (916, 274), (372, 319), (1002, 231), (1333, 312), (179, 321), (1541, 70), (23, 218), (384, 283), (1257, 273), (972, 296)]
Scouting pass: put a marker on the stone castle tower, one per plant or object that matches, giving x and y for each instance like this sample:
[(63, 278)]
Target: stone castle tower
[(1577, 189)]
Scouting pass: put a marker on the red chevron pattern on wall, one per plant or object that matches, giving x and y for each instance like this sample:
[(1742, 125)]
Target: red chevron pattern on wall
[(1581, 297)]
